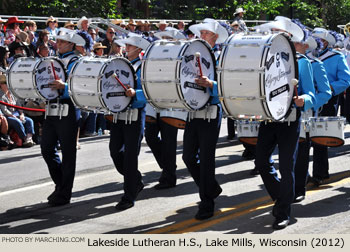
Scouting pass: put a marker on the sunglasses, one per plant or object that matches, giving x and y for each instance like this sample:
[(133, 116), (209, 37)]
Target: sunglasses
[(111, 32)]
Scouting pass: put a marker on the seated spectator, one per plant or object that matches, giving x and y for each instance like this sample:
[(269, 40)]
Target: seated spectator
[(5, 141), (131, 25), (69, 25), (23, 125), (37, 117), (44, 38), (51, 26), (43, 50), (116, 49), (17, 50), (4, 55), (2, 35), (93, 34), (12, 29), (83, 24), (110, 35), (98, 49)]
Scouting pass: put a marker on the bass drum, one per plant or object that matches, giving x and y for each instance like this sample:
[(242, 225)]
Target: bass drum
[(29, 78), (93, 87), (168, 72), (254, 76)]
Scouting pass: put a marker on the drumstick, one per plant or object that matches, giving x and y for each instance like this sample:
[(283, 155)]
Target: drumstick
[(116, 77), (198, 58), (54, 71), (295, 82)]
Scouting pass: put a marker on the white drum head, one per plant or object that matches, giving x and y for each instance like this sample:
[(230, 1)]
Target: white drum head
[(44, 75), (280, 69), (196, 96), (113, 94)]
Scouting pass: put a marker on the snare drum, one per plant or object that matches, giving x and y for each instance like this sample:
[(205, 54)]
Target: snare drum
[(254, 76), (247, 131), (151, 114), (327, 131), (168, 72), (93, 87), (175, 118), (303, 130), (29, 78)]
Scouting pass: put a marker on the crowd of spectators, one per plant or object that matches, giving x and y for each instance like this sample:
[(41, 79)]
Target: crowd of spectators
[(19, 38)]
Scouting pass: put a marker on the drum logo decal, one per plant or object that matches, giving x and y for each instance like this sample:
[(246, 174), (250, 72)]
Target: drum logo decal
[(193, 103), (125, 73), (109, 74), (280, 111), (116, 107), (189, 58), (206, 63), (187, 72), (271, 80), (41, 70), (278, 91), (270, 62), (24, 65), (115, 94), (44, 86), (278, 57), (285, 56), (194, 86)]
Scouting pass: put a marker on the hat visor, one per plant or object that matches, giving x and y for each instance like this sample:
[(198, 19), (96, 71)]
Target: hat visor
[(221, 31), (142, 43), (311, 42), (284, 26), (326, 36)]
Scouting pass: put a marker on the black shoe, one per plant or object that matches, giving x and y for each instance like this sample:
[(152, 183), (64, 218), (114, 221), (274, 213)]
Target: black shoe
[(52, 195), (254, 172), (163, 185), (123, 205), (316, 181), (57, 201), (230, 137), (280, 224), (203, 214), (299, 198), (218, 192)]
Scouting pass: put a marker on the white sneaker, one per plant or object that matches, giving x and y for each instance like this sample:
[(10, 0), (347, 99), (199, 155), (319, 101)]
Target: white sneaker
[(28, 142)]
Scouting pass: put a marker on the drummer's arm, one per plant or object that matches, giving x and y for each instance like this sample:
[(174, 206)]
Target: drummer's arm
[(307, 84), (139, 97), (204, 81)]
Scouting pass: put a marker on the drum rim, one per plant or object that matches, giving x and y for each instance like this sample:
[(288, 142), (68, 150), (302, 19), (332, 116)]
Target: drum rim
[(296, 73), (327, 119), (206, 44), (64, 72), (133, 73)]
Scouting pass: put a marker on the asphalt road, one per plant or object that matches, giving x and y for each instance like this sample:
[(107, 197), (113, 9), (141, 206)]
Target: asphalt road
[(244, 206)]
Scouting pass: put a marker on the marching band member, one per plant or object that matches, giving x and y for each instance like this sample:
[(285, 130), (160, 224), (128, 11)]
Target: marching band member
[(338, 74), (164, 147), (201, 135), (125, 140), (285, 134), (62, 128), (323, 94)]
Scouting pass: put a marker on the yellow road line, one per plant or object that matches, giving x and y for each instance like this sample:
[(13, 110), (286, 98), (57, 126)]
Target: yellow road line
[(193, 225)]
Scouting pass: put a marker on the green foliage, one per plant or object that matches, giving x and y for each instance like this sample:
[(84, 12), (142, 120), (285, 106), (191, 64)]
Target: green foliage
[(328, 13)]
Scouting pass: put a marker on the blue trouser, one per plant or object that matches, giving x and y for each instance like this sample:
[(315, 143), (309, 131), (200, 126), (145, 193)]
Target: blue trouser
[(124, 147), (286, 137), (202, 135), (65, 131), (21, 129), (163, 148), (320, 158), (302, 166)]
